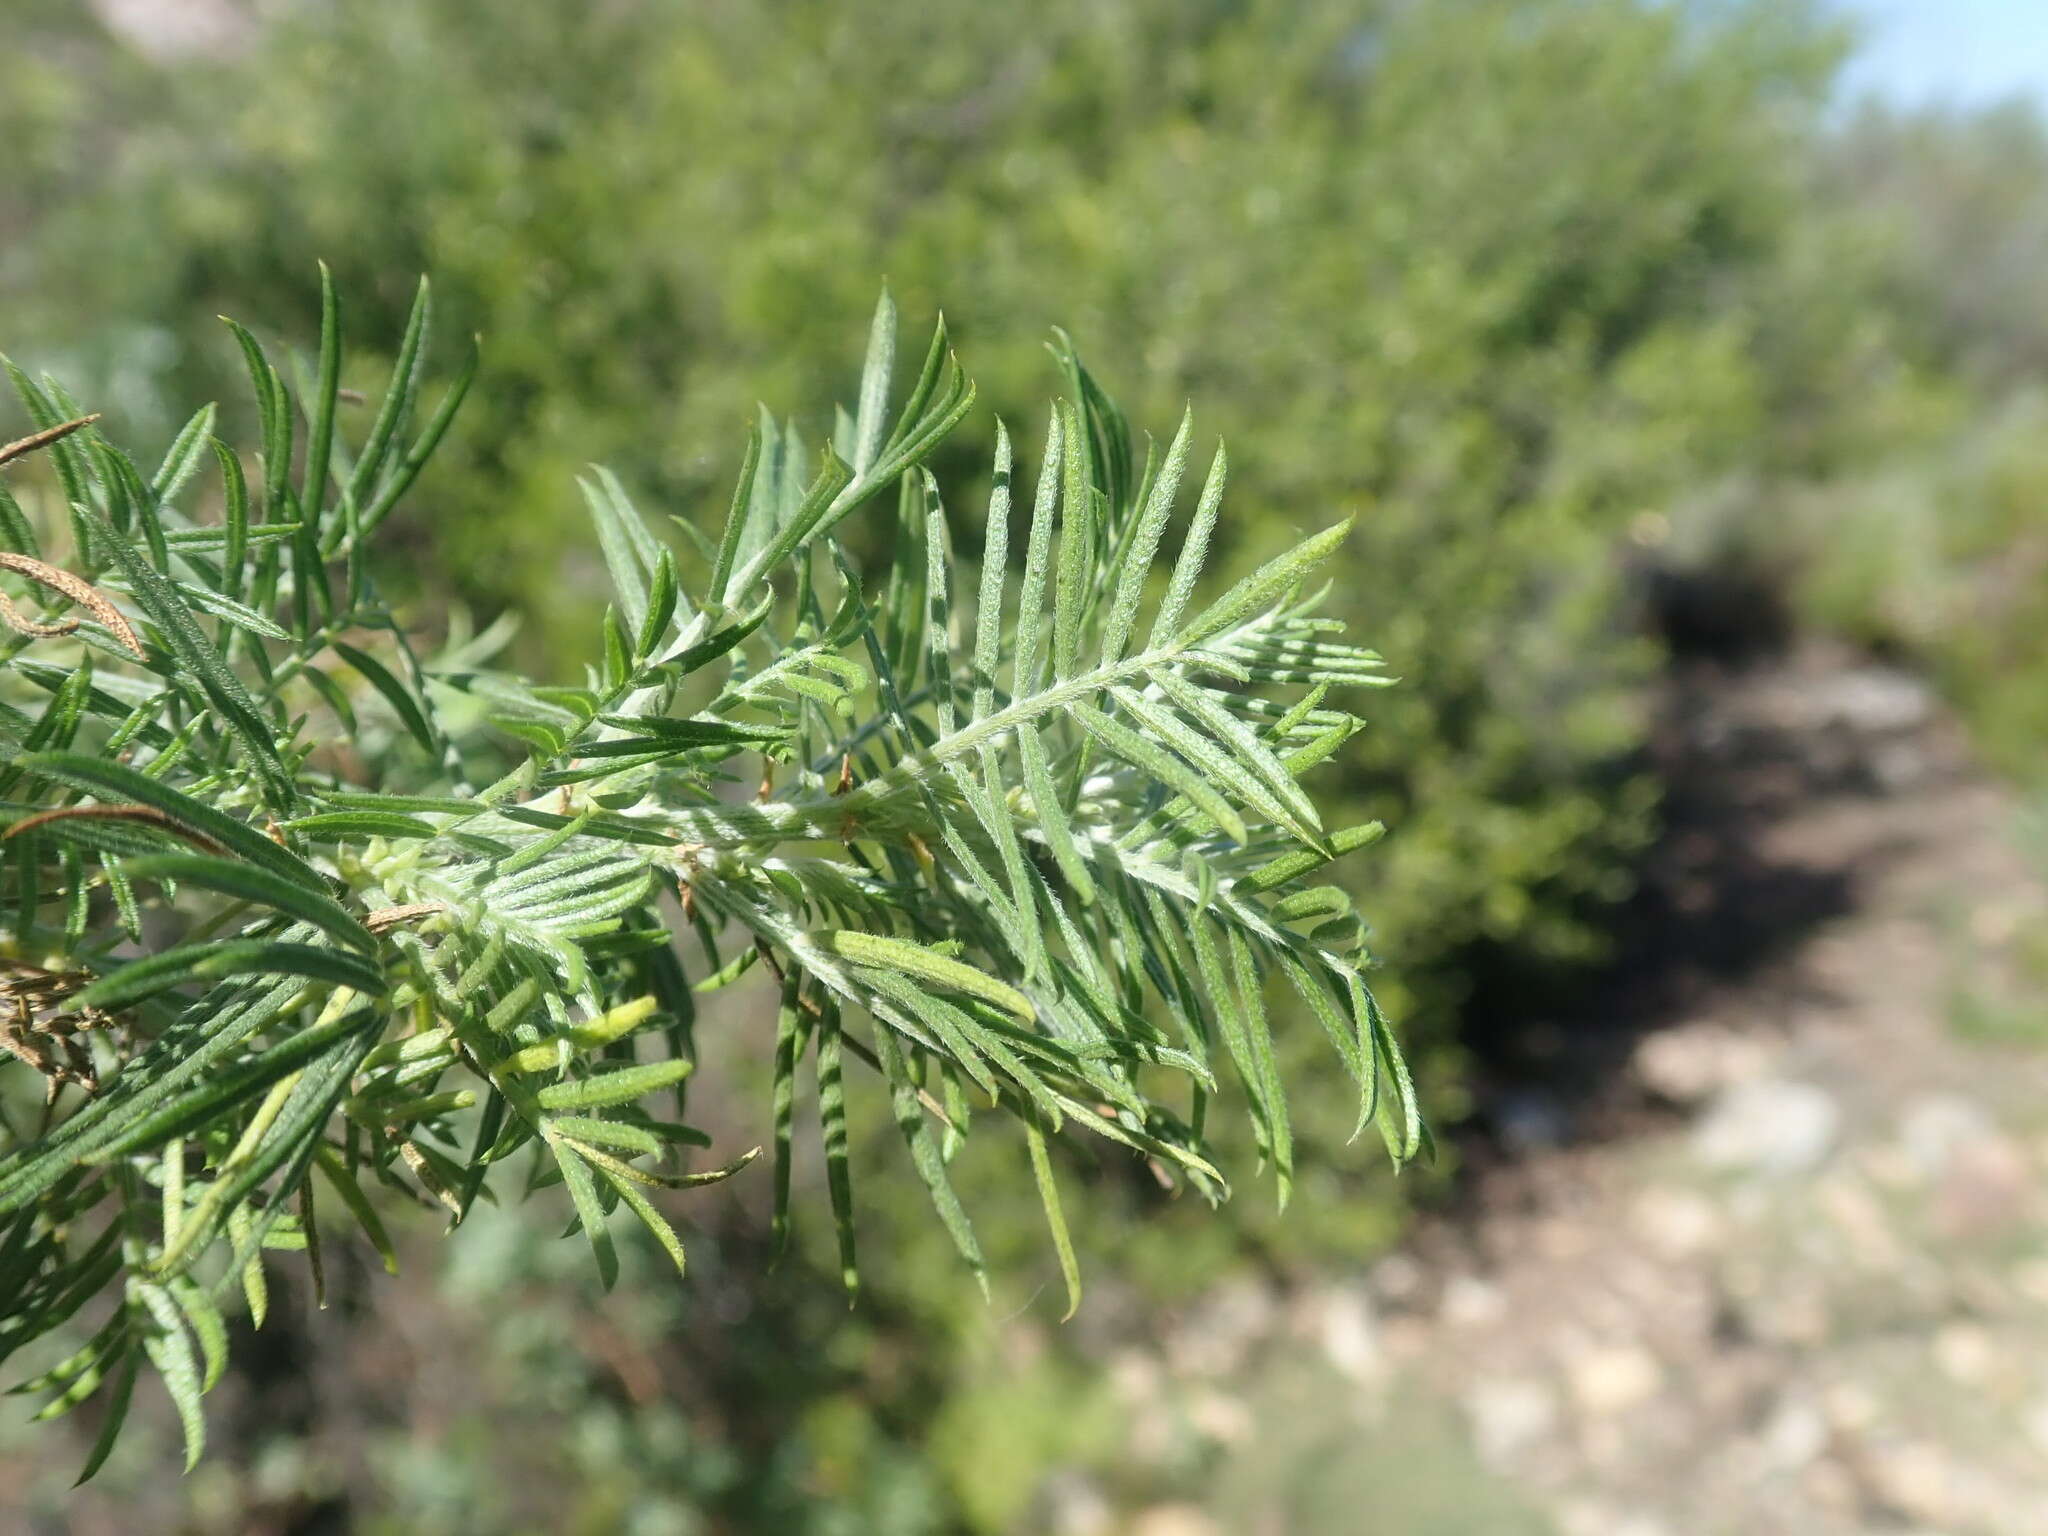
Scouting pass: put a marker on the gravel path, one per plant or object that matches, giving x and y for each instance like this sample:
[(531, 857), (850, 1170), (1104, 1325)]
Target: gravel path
[(1784, 1269)]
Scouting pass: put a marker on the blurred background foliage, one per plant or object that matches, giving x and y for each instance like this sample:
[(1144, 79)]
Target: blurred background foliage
[(1615, 327)]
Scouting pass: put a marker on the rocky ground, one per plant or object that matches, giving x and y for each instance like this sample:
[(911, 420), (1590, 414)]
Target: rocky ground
[(1756, 1245)]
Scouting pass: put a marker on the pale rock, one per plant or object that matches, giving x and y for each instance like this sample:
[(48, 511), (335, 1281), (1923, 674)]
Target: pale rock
[(1690, 1062), (1564, 1241), (1347, 1329), (1995, 922), (1590, 1517), (1406, 1340), (1676, 1223), (1615, 1378), (1510, 1415), (2030, 1279), (1075, 1505), (1888, 1165), (2036, 1420), (1397, 1277), (1792, 1312), (1585, 1517), (1174, 1520), (1936, 1126), (1470, 1302), (172, 31), (1831, 1485), (1221, 1417), (1859, 1217), (1898, 766), (1965, 1353), (1916, 1478), (1219, 1334), (1795, 1434), (1773, 1126), (1851, 1407), (1870, 701), (1988, 1187), (1136, 1377)]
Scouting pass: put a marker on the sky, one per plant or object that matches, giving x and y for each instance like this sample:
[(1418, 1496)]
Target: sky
[(1950, 52)]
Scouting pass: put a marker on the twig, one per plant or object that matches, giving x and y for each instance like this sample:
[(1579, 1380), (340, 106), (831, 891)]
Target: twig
[(79, 590), (24, 446)]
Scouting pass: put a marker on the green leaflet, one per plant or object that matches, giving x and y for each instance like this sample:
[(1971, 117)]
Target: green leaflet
[(1291, 866), (257, 884), (359, 1206), (159, 599), (924, 1154), (397, 403), (1144, 754), (622, 1086), (650, 1218), (924, 964), (207, 1325), (70, 463), (872, 419), (621, 535), (615, 1024), (237, 1085), (664, 733), (618, 1135), (832, 1130), (320, 429), (235, 518), (402, 805), (705, 652), (1399, 1114), (169, 1348), (79, 1375), (1144, 545), (116, 783), (401, 479), (349, 826), (583, 1194), (139, 979), (1049, 1196), (1265, 586), (114, 1416), (735, 522), (379, 677), (1052, 815), (661, 606), (182, 460), (221, 606), (790, 1031)]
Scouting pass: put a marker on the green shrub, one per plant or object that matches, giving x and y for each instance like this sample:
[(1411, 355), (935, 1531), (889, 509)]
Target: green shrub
[(1499, 276), (1941, 557)]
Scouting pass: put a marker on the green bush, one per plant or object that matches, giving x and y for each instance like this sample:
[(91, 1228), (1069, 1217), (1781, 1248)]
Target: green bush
[(1941, 557), (1500, 277)]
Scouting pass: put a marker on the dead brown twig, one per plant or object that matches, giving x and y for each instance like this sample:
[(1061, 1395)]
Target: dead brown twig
[(76, 588), (150, 814), (22, 447)]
